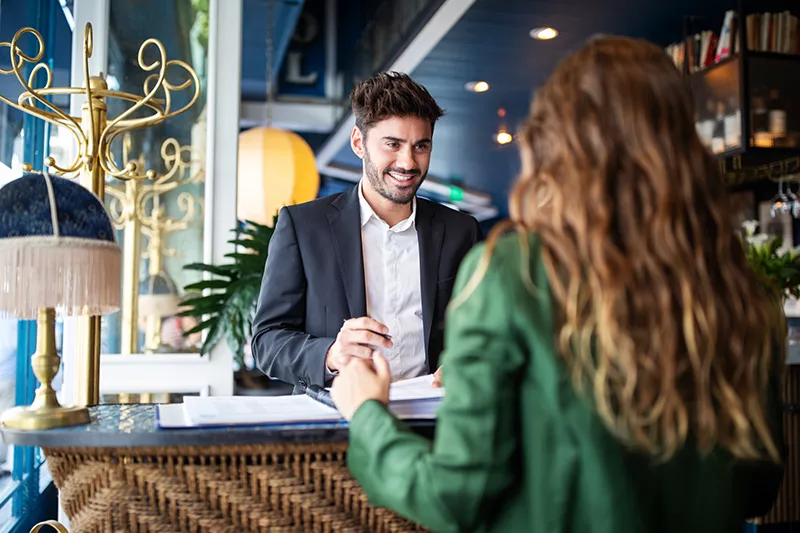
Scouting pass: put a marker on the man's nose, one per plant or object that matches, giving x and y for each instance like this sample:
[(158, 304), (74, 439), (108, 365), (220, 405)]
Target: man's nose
[(406, 160)]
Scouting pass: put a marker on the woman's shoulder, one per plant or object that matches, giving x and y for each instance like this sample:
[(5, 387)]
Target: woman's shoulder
[(513, 250), (505, 263)]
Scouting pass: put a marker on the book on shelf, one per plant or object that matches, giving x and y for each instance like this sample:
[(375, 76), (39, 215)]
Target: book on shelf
[(773, 32), (706, 48), (766, 32), (729, 37)]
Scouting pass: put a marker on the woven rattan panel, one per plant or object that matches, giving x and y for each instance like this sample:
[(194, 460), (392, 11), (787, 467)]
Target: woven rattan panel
[(278, 488)]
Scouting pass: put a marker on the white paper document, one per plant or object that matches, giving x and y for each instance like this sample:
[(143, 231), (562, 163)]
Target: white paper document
[(257, 410), (412, 399), (420, 388)]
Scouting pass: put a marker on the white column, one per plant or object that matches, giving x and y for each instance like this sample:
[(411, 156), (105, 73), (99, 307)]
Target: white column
[(224, 94)]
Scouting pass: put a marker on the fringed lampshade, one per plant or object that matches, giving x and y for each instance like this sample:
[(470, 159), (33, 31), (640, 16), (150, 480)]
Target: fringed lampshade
[(57, 249), (158, 296), (57, 253)]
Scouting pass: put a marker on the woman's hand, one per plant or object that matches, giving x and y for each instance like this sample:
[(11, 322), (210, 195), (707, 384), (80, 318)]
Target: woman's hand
[(437, 379), (361, 380)]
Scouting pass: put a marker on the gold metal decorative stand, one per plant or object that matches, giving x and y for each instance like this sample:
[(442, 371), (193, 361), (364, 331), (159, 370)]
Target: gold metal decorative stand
[(59, 528), (95, 132), (137, 208), (45, 411)]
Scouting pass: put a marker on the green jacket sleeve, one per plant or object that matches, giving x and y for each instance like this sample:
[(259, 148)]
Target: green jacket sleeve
[(453, 483)]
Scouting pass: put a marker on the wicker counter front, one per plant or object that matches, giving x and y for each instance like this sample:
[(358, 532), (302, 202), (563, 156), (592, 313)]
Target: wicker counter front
[(120, 473)]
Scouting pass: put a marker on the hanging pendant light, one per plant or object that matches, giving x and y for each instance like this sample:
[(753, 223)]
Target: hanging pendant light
[(503, 136), (276, 167)]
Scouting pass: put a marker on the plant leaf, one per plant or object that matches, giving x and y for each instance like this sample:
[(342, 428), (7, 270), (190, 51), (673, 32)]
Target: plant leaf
[(208, 284), (202, 302), (224, 270), (231, 304), (203, 325)]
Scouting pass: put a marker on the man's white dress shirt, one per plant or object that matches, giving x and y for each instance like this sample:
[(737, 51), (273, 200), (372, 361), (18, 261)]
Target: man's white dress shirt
[(393, 287)]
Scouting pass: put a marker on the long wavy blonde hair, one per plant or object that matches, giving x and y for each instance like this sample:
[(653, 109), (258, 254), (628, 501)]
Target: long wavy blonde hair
[(661, 320)]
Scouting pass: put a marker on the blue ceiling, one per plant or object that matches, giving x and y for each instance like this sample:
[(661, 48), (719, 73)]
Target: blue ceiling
[(351, 18), (255, 24), (491, 43)]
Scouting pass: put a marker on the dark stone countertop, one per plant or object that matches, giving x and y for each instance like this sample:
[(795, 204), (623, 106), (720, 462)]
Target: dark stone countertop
[(134, 425)]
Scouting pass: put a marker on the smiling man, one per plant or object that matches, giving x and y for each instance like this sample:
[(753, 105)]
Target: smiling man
[(369, 269)]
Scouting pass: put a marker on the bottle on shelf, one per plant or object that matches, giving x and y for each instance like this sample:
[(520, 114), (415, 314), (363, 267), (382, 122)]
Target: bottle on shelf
[(777, 117), (759, 120), (733, 125), (705, 124), (718, 138)]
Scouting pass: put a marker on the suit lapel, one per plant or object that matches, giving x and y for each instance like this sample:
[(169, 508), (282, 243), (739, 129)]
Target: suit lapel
[(429, 234), (345, 222)]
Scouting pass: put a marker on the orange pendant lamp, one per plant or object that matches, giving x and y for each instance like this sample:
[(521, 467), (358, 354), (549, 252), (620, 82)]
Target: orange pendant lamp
[(276, 167)]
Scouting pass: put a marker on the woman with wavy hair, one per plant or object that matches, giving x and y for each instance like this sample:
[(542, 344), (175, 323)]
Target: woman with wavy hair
[(611, 364)]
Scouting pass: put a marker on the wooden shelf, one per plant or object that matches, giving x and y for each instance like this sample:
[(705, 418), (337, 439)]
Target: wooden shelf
[(718, 64), (755, 54)]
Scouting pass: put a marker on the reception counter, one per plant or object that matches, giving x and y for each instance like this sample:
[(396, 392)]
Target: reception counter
[(122, 473)]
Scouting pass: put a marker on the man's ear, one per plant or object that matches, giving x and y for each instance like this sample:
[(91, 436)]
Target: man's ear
[(357, 141)]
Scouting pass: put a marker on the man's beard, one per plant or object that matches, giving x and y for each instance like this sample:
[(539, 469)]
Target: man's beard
[(378, 180)]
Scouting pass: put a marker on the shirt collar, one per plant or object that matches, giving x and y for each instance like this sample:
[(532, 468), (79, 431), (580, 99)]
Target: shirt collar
[(367, 212)]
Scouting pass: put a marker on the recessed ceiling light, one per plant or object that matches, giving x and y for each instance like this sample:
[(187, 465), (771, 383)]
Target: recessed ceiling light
[(544, 34), (477, 86)]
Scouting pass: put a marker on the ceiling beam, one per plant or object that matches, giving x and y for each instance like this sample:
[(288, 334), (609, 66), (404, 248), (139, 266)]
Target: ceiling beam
[(316, 117)]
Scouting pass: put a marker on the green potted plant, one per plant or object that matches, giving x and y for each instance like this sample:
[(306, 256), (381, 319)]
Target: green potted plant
[(778, 269), (226, 300)]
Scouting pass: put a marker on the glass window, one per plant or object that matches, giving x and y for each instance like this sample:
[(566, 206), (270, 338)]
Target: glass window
[(166, 225), (8, 374), (25, 139)]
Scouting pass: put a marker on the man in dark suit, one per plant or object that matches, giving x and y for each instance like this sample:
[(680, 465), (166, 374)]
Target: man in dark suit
[(369, 269)]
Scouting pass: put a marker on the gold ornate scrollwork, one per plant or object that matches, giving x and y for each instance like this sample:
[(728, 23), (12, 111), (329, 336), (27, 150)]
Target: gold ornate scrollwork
[(138, 208), (51, 523), (145, 202), (94, 141), (94, 132)]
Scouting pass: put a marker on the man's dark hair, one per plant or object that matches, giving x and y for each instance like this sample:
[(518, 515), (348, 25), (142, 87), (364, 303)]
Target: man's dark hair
[(392, 94)]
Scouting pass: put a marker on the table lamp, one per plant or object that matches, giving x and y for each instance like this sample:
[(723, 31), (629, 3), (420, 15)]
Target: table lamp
[(158, 296), (158, 299), (57, 254)]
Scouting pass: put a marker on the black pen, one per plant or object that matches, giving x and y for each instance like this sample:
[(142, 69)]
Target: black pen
[(321, 395), (384, 335)]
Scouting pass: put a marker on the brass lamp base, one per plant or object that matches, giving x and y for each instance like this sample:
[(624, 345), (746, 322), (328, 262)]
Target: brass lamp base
[(45, 412), (33, 418)]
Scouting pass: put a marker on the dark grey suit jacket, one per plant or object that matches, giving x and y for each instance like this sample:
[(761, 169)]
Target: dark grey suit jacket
[(314, 281)]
